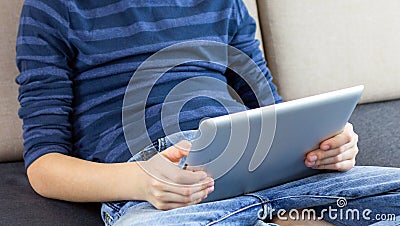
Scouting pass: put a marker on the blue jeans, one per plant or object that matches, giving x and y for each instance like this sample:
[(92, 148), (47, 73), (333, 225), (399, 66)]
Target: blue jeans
[(361, 196)]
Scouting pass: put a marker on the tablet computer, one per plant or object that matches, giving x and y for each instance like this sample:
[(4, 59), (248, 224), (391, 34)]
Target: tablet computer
[(265, 147)]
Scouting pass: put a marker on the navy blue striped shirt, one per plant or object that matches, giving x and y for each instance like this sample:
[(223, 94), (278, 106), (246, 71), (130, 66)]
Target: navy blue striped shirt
[(76, 59)]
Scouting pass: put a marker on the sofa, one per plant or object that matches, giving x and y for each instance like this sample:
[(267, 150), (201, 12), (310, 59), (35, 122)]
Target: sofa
[(311, 46)]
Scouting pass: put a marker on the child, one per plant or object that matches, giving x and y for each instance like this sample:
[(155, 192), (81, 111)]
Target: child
[(76, 59)]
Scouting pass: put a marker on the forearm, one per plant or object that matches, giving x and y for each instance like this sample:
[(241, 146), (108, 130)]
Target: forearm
[(67, 178)]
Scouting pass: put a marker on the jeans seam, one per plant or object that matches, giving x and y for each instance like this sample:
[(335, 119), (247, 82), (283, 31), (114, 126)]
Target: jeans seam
[(266, 206), (165, 144), (261, 200), (161, 144), (112, 206), (312, 196), (108, 219), (233, 213)]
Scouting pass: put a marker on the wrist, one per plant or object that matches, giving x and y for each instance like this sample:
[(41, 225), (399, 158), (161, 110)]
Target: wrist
[(136, 180)]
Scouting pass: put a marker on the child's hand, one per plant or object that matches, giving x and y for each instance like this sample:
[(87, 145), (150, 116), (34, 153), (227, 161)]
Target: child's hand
[(337, 153), (168, 186)]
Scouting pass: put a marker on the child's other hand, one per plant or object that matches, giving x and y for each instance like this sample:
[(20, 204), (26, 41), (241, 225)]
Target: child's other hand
[(337, 153), (168, 186)]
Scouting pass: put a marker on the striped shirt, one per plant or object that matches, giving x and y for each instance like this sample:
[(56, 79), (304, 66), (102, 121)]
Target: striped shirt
[(76, 59)]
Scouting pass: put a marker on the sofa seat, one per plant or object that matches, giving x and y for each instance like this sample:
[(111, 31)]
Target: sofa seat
[(20, 205), (378, 127)]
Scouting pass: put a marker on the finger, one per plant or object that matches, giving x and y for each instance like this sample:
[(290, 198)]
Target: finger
[(168, 205), (173, 205), (177, 176), (190, 189), (347, 155), (187, 198), (339, 166), (178, 151), (342, 138), (187, 177), (165, 171), (319, 154), (169, 200)]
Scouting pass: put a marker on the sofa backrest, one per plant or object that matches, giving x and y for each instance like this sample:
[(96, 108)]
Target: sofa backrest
[(10, 125), (252, 7), (315, 46)]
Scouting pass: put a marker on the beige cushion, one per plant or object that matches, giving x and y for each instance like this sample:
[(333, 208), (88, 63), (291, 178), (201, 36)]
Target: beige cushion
[(314, 46), (10, 126), (252, 8)]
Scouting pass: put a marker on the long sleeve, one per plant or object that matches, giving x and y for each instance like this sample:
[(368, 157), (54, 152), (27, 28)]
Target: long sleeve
[(244, 40), (45, 93)]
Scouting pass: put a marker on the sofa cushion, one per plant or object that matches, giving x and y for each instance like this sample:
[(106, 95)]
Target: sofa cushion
[(378, 127), (20, 205), (315, 46), (253, 10), (10, 129)]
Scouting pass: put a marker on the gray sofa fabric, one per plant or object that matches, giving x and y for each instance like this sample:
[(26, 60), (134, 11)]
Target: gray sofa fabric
[(20, 205), (378, 125)]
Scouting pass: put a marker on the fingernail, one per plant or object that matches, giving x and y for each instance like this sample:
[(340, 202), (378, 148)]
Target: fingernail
[(310, 164), (184, 145), (312, 158), (210, 189), (325, 147)]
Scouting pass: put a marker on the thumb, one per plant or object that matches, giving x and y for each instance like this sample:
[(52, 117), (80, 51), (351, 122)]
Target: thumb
[(178, 151)]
